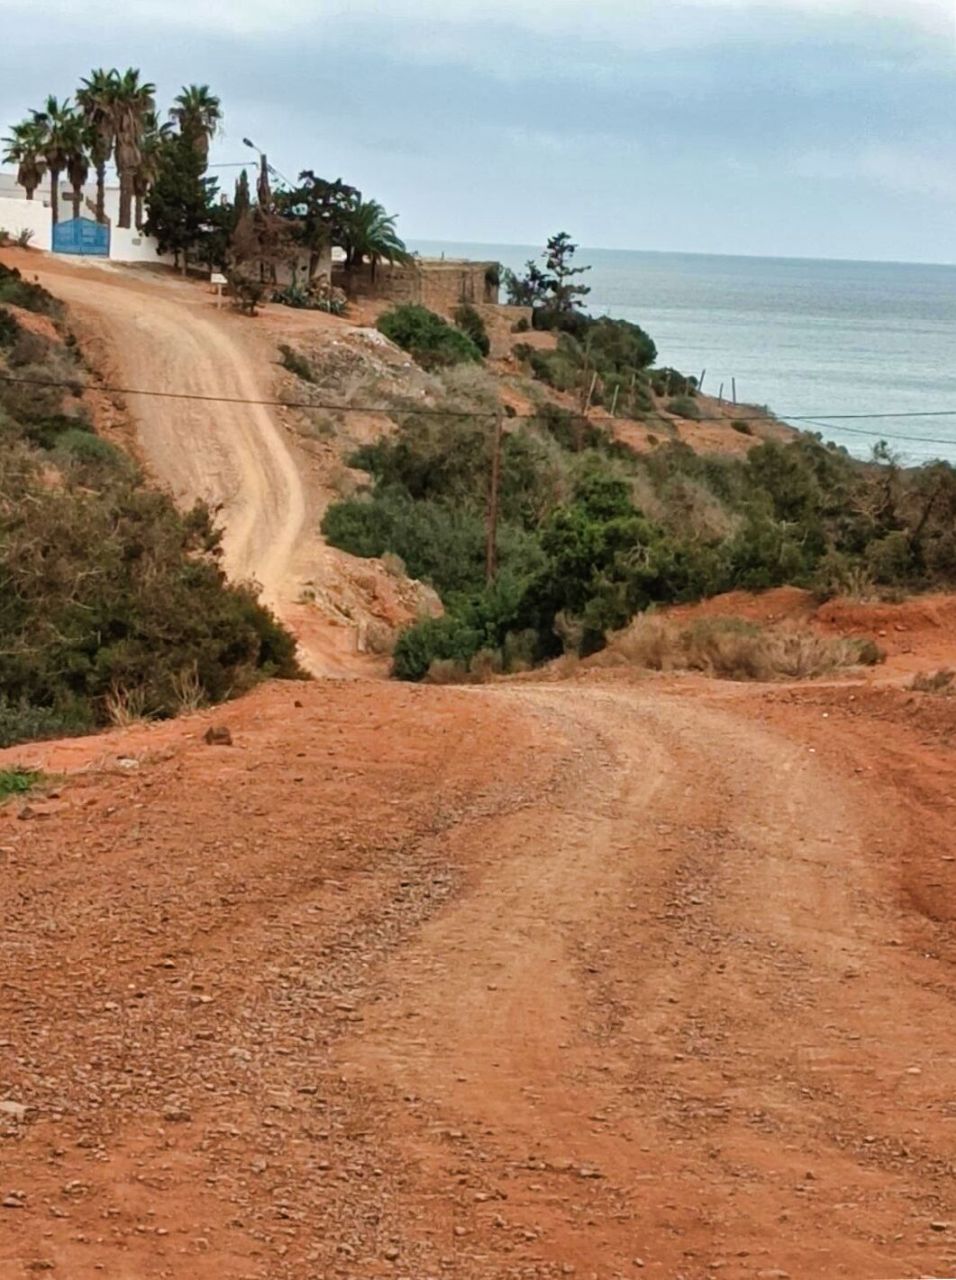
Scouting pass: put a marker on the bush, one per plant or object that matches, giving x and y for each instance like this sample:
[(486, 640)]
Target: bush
[(17, 782), (684, 407), (109, 597), (79, 445), (21, 722), (296, 363), (470, 323), (30, 297), (247, 292), (9, 328), (431, 341), (734, 649), (447, 639), (744, 428), (521, 326), (941, 681), (671, 382), (318, 296)]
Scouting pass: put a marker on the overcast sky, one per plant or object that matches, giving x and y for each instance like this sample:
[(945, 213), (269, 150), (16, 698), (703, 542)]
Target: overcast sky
[(821, 128)]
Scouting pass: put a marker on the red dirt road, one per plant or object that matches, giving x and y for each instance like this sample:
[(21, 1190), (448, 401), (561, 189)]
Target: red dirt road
[(602, 979)]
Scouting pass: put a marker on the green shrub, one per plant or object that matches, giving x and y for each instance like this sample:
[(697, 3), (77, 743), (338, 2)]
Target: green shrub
[(46, 432), (684, 407), (78, 444), (17, 782), (9, 328), (470, 323), (671, 382), (30, 297), (106, 590), (447, 639), (431, 341), (744, 428), (22, 722), (521, 326)]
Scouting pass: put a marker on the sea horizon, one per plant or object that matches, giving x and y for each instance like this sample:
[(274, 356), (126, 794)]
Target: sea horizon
[(584, 250), (810, 338)]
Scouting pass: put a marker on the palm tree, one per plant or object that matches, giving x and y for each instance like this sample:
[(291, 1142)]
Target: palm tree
[(145, 175), (56, 124), (24, 148), (199, 115), (369, 232), (97, 101), (133, 101), (77, 147)]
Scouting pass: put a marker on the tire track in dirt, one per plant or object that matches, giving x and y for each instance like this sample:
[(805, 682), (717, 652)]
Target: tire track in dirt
[(231, 456), (666, 1021)]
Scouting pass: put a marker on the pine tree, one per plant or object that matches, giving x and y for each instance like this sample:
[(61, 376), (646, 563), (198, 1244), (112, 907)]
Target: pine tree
[(180, 205), (565, 294), (243, 198)]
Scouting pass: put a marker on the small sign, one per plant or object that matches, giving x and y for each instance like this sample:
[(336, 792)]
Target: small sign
[(218, 278)]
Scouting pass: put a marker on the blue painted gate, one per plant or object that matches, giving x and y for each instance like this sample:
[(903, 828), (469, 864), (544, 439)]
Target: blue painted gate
[(82, 235)]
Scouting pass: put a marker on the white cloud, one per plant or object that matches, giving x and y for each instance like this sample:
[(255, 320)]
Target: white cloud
[(633, 21)]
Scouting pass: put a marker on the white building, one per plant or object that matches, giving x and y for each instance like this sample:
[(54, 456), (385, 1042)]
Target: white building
[(18, 214)]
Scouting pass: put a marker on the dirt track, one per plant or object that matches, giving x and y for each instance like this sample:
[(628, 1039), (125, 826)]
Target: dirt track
[(162, 334), (495, 983), (600, 978)]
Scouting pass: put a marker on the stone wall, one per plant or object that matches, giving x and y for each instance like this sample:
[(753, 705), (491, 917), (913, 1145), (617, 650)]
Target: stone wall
[(441, 284)]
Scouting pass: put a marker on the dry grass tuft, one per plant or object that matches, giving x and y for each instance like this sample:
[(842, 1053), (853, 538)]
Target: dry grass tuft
[(941, 681), (734, 649), (126, 706)]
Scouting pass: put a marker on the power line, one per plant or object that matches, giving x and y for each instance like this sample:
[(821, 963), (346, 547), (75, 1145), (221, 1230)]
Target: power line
[(882, 435), (829, 420)]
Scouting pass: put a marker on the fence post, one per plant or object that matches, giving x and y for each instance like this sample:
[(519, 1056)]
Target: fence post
[(491, 545)]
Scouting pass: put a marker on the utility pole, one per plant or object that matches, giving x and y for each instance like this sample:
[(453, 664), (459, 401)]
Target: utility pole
[(491, 546)]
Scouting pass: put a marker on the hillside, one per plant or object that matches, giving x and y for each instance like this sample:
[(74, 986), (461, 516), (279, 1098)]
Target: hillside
[(113, 603)]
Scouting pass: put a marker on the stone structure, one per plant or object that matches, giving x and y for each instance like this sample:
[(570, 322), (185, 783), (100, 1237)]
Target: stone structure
[(441, 284)]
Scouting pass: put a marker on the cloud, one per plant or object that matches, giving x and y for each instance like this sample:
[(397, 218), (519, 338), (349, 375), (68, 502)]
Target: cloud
[(636, 22)]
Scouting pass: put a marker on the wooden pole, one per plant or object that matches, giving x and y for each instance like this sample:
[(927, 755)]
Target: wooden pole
[(703, 375), (720, 394), (587, 403), (617, 392), (491, 545), (734, 384)]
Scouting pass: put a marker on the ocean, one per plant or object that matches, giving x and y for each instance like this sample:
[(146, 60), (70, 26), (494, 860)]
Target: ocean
[(809, 339)]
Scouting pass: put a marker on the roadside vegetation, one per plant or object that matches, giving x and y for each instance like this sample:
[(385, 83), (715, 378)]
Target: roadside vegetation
[(18, 782), (112, 603), (431, 341), (588, 534), (736, 649), (941, 682)]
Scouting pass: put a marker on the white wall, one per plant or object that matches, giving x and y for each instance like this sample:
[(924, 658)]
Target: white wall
[(134, 246), (21, 215)]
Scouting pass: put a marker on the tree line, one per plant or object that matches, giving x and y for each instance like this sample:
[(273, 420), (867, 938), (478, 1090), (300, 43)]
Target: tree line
[(111, 117), (165, 190)]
